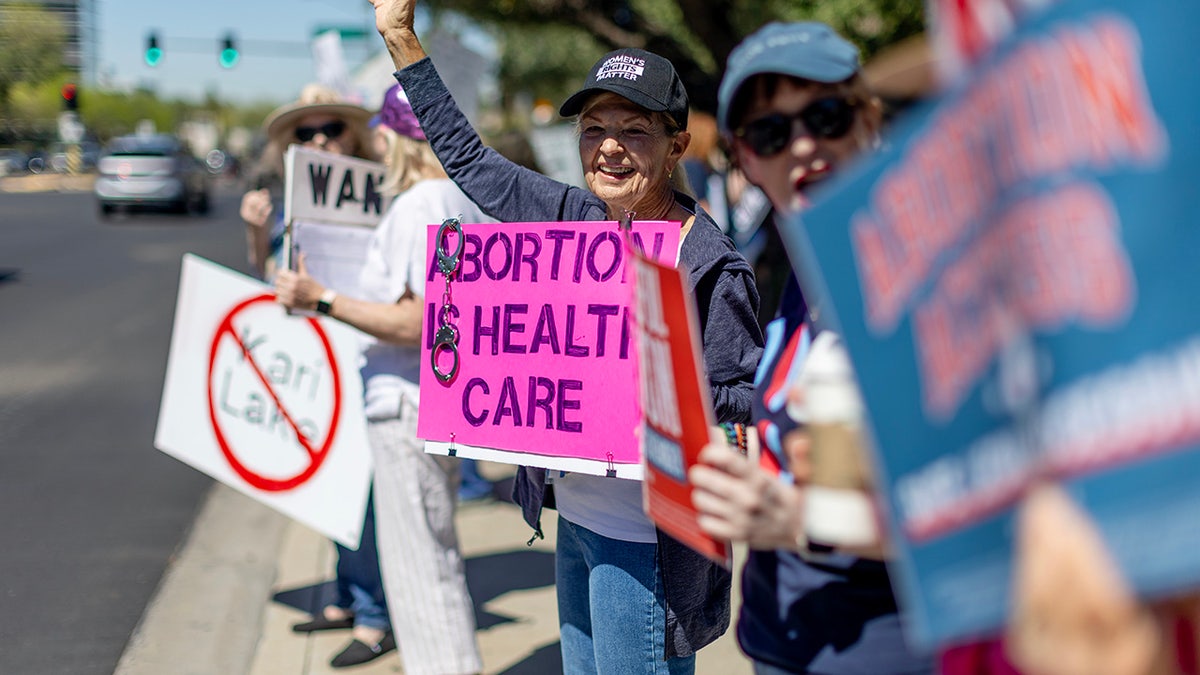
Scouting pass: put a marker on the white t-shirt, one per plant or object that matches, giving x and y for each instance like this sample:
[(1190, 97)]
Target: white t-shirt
[(396, 263), (611, 507)]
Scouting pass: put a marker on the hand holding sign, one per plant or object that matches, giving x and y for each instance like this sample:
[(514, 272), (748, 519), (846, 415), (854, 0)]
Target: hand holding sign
[(738, 500), (296, 289)]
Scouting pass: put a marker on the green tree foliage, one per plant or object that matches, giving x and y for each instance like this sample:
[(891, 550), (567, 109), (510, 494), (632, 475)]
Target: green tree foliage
[(547, 45), (108, 114), (32, 112), (250, 116), (31, 47)]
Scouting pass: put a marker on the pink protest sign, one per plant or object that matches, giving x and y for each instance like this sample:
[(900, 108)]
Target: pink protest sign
[(546, 352)]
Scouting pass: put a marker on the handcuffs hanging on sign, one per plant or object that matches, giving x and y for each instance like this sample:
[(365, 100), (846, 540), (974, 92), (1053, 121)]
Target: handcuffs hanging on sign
[(446, 337)]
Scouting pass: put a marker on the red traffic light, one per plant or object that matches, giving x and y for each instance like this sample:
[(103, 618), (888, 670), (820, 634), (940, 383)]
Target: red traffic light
[(70, 96)]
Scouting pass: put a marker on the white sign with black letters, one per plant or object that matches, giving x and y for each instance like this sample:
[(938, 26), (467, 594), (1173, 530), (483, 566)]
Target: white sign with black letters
[(332, 203)]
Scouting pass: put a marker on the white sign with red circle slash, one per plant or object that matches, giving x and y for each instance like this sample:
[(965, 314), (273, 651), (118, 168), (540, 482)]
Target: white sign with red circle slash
[(265, 402)]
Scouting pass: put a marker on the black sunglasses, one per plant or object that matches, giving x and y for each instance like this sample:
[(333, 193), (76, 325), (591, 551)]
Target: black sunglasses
[(329, 130), (826, 118)]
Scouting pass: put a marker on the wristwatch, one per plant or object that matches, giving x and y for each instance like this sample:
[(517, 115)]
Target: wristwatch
[(326, 302)]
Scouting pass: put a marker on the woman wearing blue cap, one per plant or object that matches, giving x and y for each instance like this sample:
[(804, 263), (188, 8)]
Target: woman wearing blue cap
[(630, 598), (795, 109)]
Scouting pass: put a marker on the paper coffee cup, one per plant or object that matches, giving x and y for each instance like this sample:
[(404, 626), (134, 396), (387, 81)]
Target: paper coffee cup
[(838, 508)]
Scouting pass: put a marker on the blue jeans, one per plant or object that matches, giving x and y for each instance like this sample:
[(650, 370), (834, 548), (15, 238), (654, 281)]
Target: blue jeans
[(359, 582), (473, 485), (611, 607)]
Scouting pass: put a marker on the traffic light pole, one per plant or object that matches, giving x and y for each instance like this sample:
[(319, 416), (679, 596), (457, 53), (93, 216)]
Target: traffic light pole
[(228, 48), (70, 133)]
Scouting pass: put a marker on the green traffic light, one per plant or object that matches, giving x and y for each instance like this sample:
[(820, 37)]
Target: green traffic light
[(154, 53), (229, 55)]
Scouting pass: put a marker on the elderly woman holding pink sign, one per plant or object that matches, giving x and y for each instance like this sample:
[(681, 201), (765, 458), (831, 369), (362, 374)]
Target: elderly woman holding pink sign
[(630, 598)]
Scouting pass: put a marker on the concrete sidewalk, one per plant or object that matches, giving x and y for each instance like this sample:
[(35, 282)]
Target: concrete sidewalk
[(246, 574)]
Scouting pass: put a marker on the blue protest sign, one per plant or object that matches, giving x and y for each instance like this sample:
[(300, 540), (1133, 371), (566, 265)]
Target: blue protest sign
[(1013, 277)]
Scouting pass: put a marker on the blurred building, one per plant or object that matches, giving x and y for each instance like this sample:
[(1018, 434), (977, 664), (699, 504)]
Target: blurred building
[(79, 20)]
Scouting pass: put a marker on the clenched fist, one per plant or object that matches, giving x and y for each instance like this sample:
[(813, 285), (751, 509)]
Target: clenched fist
[(394, 21)]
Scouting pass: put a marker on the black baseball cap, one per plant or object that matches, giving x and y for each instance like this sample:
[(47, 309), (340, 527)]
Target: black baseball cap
[(647, 79)]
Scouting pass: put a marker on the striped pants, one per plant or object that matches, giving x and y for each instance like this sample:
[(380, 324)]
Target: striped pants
[(423, 574)]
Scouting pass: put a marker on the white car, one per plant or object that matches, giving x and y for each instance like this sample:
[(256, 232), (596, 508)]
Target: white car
[(151, 171)]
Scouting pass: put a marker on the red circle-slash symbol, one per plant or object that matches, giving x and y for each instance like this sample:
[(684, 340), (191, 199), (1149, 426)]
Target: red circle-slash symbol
[(316, 456)]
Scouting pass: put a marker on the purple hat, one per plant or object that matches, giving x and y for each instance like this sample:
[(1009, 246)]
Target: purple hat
[(397, 114)]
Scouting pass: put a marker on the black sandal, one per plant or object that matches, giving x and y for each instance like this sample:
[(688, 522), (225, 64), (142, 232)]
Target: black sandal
[(360, 652)]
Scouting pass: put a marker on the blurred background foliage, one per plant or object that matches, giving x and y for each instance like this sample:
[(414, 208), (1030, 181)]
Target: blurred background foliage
[(31, 45), (545, 49), (546, 46)]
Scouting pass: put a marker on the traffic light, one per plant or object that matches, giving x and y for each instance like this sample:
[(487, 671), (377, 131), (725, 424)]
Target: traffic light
[(229, 52), (70, 97), (154, 53)]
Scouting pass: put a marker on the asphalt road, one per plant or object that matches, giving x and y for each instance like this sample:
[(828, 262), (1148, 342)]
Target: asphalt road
[(90, 512)]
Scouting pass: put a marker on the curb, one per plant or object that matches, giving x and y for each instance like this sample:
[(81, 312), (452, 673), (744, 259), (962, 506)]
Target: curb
[(206, 615), (48, 182)]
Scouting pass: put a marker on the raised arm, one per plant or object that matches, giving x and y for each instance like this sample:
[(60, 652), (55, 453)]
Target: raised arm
[(394, 21), (506, 191)]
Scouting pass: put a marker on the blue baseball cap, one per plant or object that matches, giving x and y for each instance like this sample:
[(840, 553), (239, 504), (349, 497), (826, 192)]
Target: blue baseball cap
[(807, 49)]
